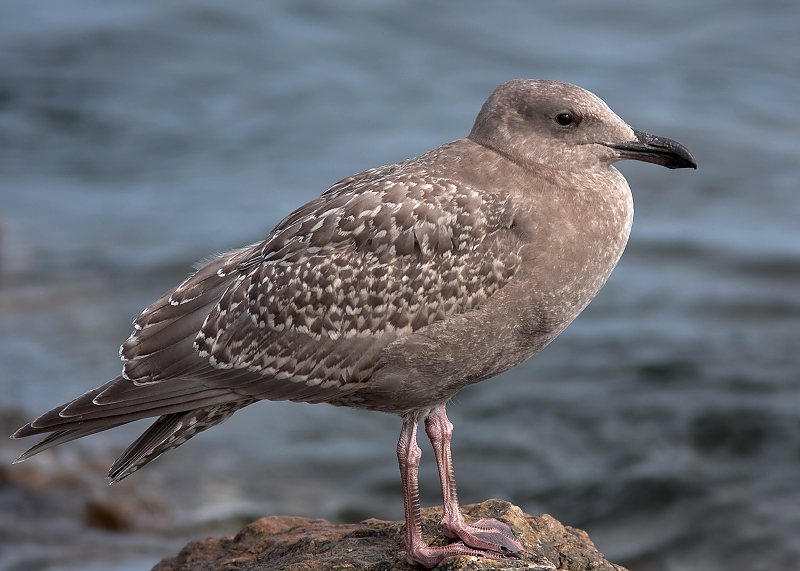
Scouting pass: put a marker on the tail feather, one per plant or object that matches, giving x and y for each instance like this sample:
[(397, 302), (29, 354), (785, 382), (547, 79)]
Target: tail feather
[(60, 437), (168, 432), (123, 417)]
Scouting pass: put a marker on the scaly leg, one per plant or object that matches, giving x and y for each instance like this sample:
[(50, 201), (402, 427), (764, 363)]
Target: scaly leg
[(488, 534), (417, 551)]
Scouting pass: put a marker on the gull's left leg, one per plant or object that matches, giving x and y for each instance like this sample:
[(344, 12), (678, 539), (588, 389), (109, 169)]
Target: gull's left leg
[(488, 534)]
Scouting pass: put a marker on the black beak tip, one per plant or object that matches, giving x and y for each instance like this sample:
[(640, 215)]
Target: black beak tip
[(680, 155), (658, 150), (684, 161)]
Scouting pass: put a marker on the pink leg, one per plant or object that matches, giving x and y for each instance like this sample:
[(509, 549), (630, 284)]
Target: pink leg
[(488, 534), (417, 551)]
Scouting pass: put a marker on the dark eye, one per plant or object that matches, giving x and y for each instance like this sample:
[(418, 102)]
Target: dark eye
[(565, 119)]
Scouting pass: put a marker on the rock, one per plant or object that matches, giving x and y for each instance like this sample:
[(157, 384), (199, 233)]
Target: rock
[(301, 544)]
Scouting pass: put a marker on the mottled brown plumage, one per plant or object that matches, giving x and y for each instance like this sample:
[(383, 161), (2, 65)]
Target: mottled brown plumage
[(392, 291)]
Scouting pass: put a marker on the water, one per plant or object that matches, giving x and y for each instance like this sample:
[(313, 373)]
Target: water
[(139, 137)]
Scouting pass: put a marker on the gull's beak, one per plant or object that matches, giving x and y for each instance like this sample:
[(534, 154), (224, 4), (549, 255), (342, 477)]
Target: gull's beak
[(658, 150)]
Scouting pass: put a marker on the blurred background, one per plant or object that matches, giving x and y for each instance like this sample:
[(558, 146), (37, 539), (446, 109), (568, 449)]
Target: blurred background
[(138, 137)]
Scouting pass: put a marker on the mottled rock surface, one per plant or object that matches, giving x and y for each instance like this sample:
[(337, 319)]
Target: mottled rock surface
[(301, 544)]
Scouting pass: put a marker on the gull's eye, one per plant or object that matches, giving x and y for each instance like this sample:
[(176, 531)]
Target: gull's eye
[(565, 119)]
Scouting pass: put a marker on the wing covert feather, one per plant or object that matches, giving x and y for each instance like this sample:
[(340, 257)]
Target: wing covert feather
[(352, 272)]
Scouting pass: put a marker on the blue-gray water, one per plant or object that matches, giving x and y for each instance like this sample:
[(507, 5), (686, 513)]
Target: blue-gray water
[(139, 137)]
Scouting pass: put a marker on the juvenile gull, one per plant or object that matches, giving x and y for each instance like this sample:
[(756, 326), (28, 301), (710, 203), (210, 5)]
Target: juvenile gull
[(392, 291)]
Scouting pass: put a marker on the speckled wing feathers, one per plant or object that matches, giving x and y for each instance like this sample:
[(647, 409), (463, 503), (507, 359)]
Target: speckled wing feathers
[(304, 315), (350, 273), (161, 346)]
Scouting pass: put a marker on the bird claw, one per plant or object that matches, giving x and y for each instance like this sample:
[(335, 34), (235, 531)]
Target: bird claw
[(487, 534), (431, 556)]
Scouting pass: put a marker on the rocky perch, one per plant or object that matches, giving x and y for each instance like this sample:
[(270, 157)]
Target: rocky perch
[(301, 544)]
